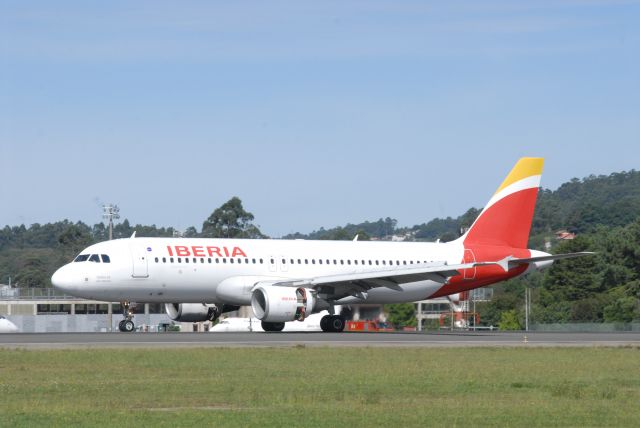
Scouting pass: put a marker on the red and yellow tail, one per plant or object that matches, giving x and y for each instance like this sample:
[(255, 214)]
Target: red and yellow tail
[(506, 220)]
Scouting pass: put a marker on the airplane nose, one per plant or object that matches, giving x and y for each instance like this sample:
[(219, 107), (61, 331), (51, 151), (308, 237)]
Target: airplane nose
[(62, 279)]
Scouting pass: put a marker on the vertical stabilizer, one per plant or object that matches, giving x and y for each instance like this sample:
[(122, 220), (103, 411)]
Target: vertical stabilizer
[(506, 220)]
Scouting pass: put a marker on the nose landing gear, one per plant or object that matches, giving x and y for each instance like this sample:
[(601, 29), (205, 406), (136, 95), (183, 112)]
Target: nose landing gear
[(127, 325)]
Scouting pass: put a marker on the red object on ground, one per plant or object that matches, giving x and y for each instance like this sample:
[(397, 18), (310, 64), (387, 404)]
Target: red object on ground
[(367, 325)]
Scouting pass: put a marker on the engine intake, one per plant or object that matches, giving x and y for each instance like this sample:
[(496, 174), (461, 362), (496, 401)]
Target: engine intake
[(277, 304)]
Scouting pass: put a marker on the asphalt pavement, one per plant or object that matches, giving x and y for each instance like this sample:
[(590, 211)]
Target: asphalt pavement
[(399, 339)]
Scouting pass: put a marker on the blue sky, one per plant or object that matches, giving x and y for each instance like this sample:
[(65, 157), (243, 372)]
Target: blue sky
[(314, 113)]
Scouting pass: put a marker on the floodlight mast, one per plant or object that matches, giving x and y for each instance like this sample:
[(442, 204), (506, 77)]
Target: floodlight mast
[(110, 212)]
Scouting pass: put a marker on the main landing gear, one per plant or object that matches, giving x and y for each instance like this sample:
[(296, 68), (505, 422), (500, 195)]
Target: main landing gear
[(332, 323), (127, 325)]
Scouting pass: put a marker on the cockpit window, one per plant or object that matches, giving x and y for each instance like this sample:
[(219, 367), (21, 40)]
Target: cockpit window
[(82, 258), (94, 258), (105, 258)]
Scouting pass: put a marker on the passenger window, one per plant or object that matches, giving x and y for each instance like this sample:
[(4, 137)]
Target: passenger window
[(105, 258), (313, 261), (261, 261), (164, 260), (202, 260), (246, 261), (320, 261), (253, 261), (284, 261), (209, 260), (157, 260), (186, 260), (272, 261), (82, 258), (171, 259), (195, 260), (94, 258), (291, 261), (231, 260), (179, 260), (348, 262)]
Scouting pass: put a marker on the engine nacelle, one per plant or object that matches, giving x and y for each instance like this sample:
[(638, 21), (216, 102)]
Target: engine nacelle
[(191, 312), (277, 304)]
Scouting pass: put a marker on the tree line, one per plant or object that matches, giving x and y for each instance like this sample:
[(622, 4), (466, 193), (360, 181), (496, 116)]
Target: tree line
[(603, 212)]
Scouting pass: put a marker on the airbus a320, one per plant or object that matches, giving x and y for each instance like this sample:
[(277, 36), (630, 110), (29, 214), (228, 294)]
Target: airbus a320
[(283, 281)]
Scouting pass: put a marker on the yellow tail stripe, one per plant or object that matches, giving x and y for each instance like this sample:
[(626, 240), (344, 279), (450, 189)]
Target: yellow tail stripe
[(526, 167)]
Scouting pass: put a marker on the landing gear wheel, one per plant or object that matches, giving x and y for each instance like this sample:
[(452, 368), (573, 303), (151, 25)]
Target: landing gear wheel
[(337, 323), (272, 326), (128, 326), (324, 323), (332, 323)]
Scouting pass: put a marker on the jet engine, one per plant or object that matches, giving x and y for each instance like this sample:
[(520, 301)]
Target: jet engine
[(277, 304), (191, 312)]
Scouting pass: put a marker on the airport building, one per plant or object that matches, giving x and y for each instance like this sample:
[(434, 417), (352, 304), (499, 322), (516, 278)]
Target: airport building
[(46, 310)]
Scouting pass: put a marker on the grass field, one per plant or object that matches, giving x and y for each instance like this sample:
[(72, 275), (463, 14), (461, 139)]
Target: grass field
[(321, 387)]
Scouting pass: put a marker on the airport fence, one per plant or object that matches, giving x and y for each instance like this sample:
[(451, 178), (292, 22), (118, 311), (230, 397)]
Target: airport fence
[(587, 327)]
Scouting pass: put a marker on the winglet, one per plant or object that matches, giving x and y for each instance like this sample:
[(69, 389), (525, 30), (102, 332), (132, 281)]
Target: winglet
[(133, 235), (356, 237)]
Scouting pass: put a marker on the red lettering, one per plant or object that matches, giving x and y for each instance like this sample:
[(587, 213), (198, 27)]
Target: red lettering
[(238, 252), (169, 249), (226, 251), (198, 251), (213, 250), (182, 251)]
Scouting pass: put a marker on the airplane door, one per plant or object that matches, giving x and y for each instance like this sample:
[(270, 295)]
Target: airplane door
[(139, 255), (469, 257)]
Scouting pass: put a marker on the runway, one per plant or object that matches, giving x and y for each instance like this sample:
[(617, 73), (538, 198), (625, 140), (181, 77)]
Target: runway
[(172, 340)]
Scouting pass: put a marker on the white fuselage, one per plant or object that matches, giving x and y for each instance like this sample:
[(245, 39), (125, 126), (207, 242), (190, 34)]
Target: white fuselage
[(198, 270)]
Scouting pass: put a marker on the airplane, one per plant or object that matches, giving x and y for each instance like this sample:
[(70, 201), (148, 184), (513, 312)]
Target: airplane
[(7, 326), (198, 279), (233, 324)]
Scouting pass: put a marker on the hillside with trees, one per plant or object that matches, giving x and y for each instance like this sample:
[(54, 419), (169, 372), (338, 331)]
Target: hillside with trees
[(602, 211)]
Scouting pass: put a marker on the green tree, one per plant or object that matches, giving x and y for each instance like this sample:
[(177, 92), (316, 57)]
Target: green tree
[(231, 221), (401, 314), (509, 320), (74, 239)]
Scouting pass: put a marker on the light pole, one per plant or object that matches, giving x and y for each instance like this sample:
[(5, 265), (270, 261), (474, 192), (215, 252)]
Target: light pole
[(110, 212)]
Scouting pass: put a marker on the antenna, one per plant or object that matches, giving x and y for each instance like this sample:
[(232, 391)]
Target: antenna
[(110, 212)]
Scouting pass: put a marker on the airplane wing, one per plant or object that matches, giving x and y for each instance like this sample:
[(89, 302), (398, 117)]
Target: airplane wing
[(355, 284)]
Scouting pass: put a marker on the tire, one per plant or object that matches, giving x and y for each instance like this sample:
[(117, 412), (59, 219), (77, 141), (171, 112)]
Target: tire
[(324, 323), (121, 326), (129, 326), (337, 324), (272, 326)]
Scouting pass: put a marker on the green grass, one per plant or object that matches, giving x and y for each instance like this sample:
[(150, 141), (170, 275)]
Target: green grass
[(321, 387)]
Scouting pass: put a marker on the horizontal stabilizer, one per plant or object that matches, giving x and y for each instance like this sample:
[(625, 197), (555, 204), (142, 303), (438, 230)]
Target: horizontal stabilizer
[(510, 262)]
